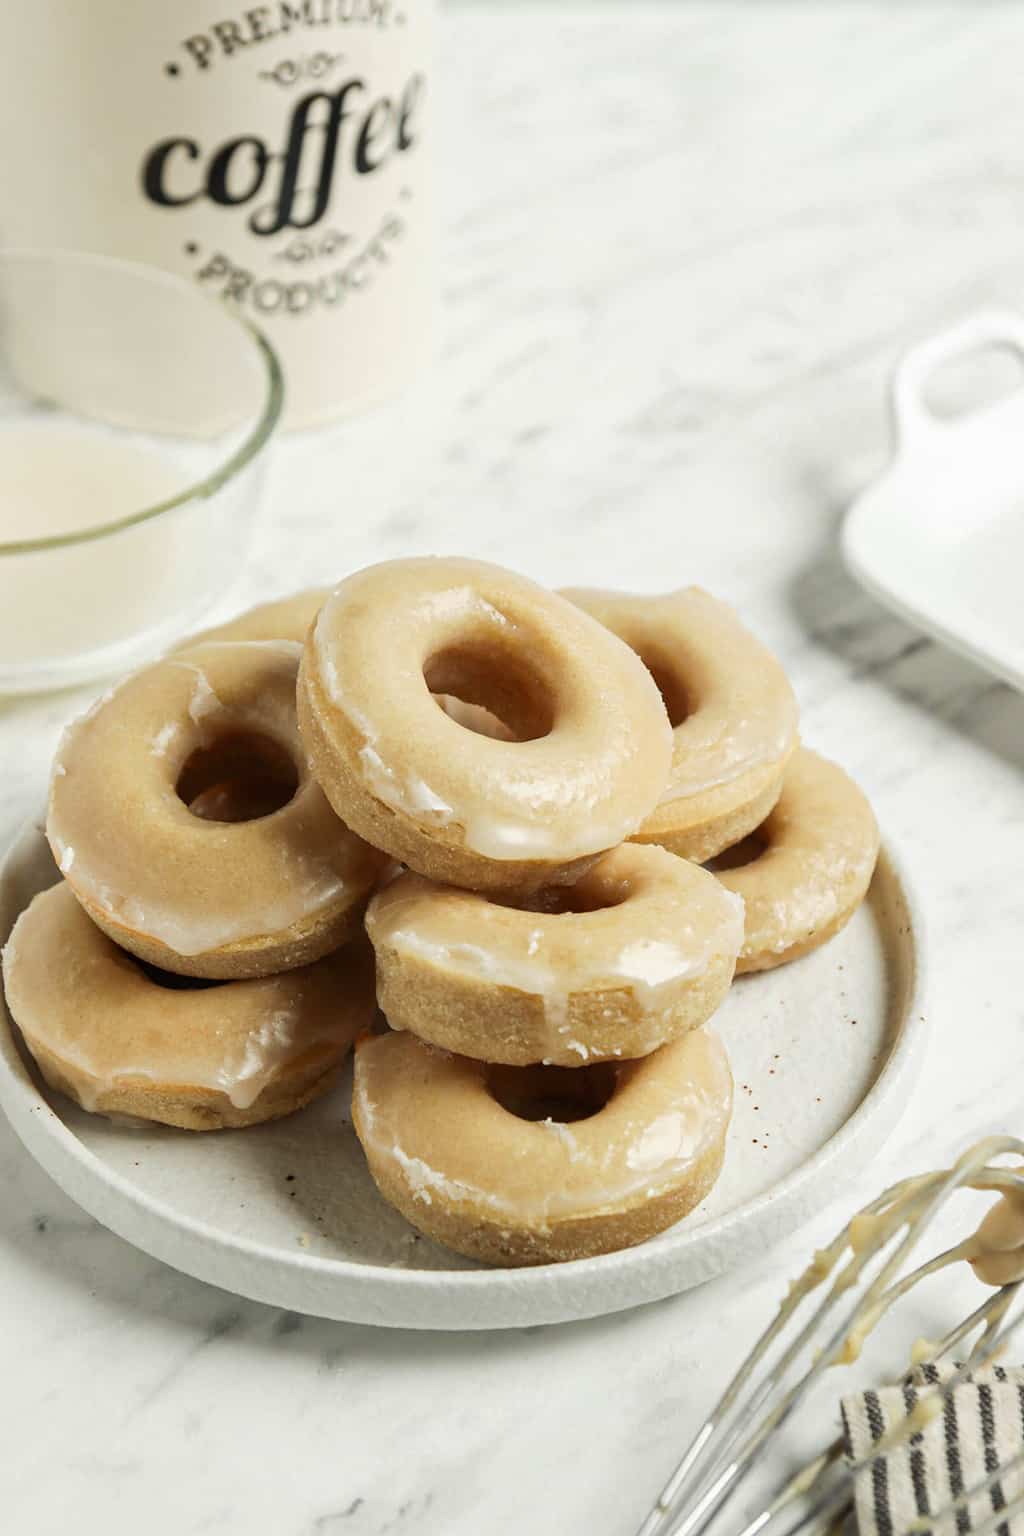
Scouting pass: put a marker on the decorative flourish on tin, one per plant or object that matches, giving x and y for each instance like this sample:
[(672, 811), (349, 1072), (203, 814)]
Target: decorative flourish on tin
[(302, 248), (311, 66)]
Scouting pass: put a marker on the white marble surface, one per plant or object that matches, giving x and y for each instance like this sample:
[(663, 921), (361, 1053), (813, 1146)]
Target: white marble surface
[(684, 246)]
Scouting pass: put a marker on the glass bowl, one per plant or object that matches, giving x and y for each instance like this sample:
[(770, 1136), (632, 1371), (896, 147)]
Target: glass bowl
[(134, 411)]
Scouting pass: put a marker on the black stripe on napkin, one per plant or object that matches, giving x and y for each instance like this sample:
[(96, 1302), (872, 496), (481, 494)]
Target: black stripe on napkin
[(986, 1412), (879, 1467), (954, 1466), (918, 1465)]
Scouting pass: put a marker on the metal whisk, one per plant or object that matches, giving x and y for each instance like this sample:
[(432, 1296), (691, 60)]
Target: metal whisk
[(775, 1378)]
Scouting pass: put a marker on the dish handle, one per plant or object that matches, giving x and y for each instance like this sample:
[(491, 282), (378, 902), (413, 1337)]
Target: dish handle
[(915, 422)]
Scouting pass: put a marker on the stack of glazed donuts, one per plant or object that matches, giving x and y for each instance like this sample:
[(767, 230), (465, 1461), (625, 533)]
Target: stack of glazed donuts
[(568, 819)]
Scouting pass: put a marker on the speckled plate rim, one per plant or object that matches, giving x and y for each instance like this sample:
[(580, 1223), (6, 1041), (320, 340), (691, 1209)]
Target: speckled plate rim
[(348, 1291)]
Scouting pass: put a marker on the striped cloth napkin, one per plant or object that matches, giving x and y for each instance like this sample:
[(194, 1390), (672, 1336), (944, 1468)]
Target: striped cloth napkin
[(979, 1430)]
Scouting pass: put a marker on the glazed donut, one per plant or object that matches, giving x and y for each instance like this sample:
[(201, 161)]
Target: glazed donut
[(284, 618), (641, 949), (210, 733), (120, 1042), (808, 867), (499, 1163), (731, 706), (592, 744)]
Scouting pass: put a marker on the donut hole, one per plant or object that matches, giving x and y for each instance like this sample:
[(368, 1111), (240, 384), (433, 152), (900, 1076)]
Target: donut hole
[(173, 982), (562, 1094), (496, 683), (241, 776), (585, 896), (669, 685), (744, 852)]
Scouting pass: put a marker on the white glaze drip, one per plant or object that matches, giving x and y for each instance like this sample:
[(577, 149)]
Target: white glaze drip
[(499, 836), (813, 901), (204, 700), (522, 828), (242, 1076), (670, 1138), (264, 1053), (559, 1129), (648, 965), (305, 892), (533, 977), (425, 1182), (409, 793), (164, 739), (462, 602), (650, 968)]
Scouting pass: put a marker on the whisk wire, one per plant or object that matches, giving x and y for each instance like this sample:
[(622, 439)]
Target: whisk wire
[(709, 1497), (731, 1439), (831, 1503)]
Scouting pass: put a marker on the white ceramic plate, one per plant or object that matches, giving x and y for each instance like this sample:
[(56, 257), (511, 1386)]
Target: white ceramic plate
[(940, 536), (823, 1053)]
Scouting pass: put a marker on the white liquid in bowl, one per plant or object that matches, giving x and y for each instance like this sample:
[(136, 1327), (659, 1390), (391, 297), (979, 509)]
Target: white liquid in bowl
[(76, 611), (57, 478)]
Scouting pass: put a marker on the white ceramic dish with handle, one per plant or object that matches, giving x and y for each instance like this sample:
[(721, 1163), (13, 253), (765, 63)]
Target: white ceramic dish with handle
[(940, 536)]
